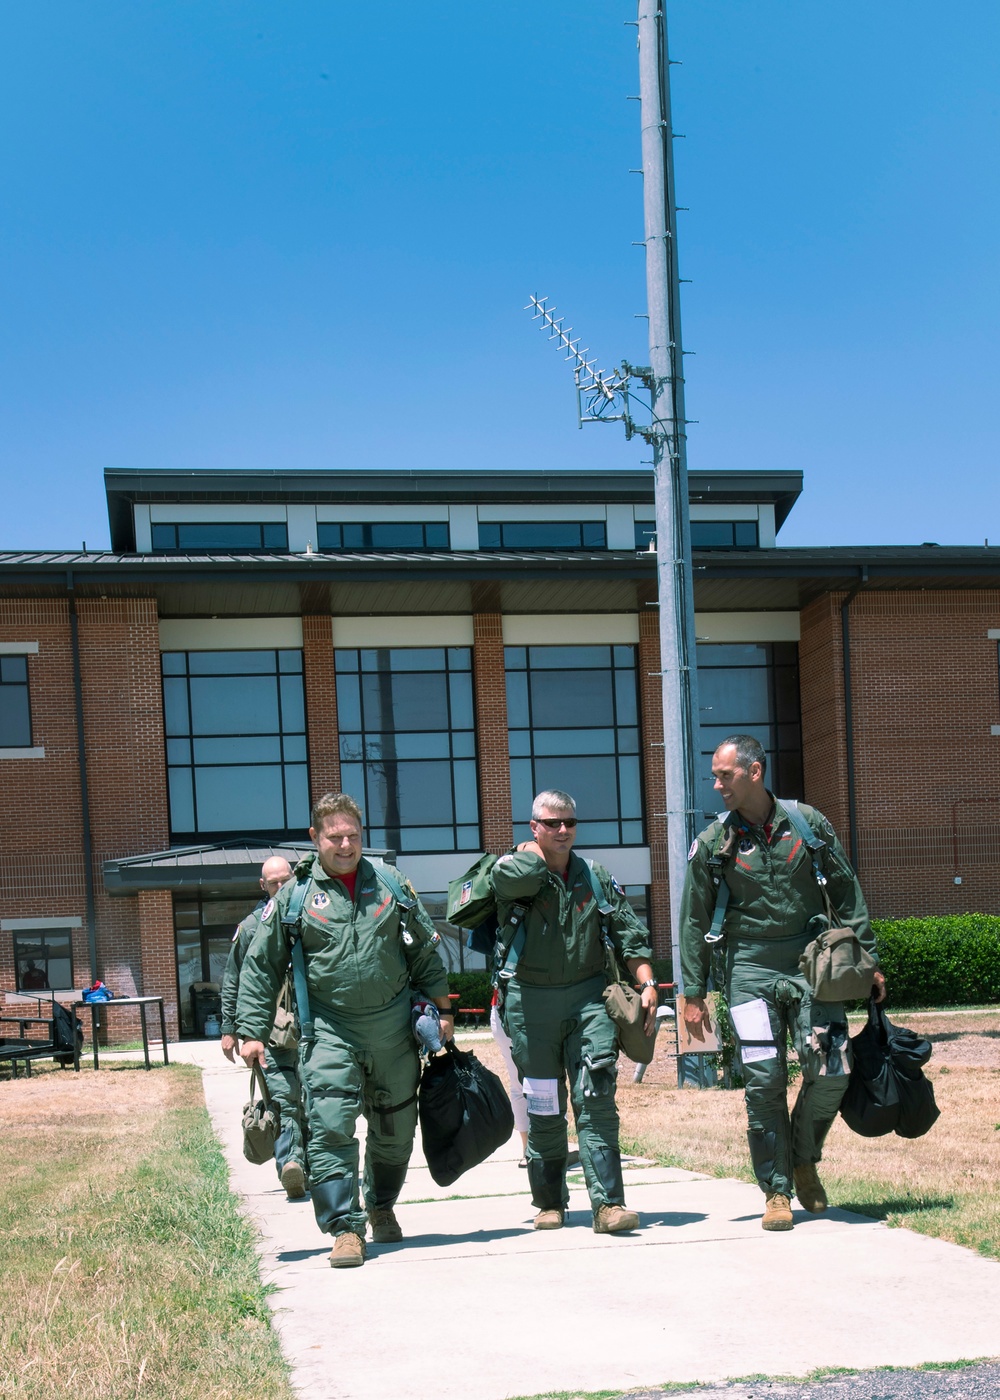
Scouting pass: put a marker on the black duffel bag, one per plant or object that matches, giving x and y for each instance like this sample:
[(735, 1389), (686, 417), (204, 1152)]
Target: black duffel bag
[(887, 1091), (465, 1113)]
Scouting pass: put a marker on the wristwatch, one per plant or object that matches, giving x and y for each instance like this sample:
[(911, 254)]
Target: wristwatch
[(649, 983)]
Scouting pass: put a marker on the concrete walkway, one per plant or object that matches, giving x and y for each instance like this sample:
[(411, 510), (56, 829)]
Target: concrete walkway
[(476, 1306)]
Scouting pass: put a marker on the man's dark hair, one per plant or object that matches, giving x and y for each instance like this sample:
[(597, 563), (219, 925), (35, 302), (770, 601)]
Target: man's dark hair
[(748, 750)]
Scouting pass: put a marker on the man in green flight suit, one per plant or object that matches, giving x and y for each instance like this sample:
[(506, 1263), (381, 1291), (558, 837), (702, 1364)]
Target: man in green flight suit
[(775, 908), (367, 940), (281, 1073), (555, 1016)]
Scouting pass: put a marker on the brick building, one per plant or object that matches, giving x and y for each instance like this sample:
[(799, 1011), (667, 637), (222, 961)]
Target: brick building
[(442, 644)]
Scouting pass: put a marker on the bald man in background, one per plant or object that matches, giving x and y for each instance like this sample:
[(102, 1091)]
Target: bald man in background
[(281, 1072)]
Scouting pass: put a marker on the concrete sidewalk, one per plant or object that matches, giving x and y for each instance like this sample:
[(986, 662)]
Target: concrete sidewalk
[(476, 1306)]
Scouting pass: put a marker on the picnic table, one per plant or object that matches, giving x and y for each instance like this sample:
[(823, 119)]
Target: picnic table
[(96, 1007)]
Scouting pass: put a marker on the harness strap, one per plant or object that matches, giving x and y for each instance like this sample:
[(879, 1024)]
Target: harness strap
[(808, 836), (291, 921)]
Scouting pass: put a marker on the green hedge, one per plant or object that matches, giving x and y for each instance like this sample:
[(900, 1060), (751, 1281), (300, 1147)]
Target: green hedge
[(943, 961), (473, 988)]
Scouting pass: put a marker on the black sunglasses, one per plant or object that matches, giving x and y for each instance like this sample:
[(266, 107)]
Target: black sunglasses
[(554, 823)]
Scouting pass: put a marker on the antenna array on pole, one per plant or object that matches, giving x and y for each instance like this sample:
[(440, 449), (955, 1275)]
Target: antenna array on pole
[(601, 397)]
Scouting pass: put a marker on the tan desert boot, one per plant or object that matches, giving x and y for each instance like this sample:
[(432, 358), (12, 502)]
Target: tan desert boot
[(777, 1212)]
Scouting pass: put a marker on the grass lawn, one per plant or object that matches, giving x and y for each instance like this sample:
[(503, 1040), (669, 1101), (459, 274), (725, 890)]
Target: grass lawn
[(946, 1184), (125, 1266)]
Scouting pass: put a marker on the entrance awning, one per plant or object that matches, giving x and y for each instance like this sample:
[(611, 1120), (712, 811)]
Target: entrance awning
[(226, 867)]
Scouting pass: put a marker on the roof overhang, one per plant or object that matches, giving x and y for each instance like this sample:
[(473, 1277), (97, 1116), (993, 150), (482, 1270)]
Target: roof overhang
[(226, 867)]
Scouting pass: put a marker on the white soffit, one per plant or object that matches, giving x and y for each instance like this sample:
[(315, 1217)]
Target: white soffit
[(229, 633), (570, 629), (543, 510), (402, 631), (379, 512), (210, 513), (747, 627)]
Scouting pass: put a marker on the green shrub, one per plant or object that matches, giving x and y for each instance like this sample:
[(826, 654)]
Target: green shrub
[(941, 961), (473, 988)]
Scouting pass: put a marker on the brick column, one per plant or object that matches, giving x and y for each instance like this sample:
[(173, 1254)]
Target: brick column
[(490, 691), (321, 705), (654, 776), (159, 962)]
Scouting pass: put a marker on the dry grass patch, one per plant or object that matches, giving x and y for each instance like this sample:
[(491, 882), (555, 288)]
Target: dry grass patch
[(946, 1184), (126, 1268)]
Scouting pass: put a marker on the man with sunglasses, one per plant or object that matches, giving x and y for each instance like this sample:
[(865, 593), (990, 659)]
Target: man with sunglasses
[(554, 1012)]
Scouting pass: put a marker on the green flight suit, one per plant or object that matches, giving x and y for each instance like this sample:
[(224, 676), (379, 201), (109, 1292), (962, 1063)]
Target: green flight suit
[(360, 967), (281, 1073), (555, 1016), (775, 909)]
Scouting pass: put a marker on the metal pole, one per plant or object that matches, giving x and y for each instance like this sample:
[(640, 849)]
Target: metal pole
[(673, 530)]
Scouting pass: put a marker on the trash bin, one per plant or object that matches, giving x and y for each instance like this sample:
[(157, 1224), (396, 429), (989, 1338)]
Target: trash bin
[(205, 1002)]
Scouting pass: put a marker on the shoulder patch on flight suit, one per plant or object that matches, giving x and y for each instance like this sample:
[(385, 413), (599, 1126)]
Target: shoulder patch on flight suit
[(747, 846), (237, 933), (694, 849), (267, 910), (320, 899), (617, 887), (505, 860)]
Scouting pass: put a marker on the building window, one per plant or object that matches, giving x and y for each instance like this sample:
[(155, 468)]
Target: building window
[(408, 745), (229, 538), (707, 534), (203, 932), (573, 723), (387, 535), (15, 710), (751, 688), (543, 534), (236, 742), (43, 961)]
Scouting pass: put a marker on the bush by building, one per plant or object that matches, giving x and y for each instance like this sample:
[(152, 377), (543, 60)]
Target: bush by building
[(948, 960)]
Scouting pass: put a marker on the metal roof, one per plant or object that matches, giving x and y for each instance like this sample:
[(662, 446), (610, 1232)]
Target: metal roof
[(221, 867)]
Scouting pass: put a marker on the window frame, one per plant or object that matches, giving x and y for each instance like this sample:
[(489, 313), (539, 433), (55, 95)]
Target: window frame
[(325, 546), (24, 685), (262, 526), (42, 936), (505, 547)]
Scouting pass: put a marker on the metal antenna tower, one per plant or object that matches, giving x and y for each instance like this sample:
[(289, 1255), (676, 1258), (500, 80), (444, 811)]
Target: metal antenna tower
[(604, 397)]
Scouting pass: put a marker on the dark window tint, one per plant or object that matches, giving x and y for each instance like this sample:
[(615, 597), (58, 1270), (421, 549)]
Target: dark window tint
[(203, 934), (543, 534), (384, 535), (222, 537), (407, 745), (724, 534), (645, 530), (572, 717), (15, 707), (43, 961), (236, 749), (750, 688)]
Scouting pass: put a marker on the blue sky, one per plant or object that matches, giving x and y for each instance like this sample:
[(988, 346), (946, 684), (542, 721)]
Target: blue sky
[(242, 234)]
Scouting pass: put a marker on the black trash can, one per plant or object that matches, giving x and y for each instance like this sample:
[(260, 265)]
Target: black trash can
[(205, 1001)]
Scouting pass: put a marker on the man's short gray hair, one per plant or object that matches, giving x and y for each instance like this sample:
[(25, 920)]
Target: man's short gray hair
[(554, 799), (748, 750)]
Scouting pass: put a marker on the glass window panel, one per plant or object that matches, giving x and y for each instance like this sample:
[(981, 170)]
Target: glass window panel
[(595, 534), (352, 746), (427, 838), (163, 537), (519, 743), (437, 535), (468, 838), (540, 534), (181, 799), (460, 658), (624, 656), (174, 663), (219, 536), (515, 658), (397, 535), (414, 701), (522, 788), (745, 532), (573, 741), (572, 698), (296, 795), (231, 663), (290, 661), (238, 749), (275, 535), (632, 833), (629, 783), (460, 686), (597, 834), (463, 744), (352, 780), (489, 535), (328, 536), (466, 792), (433, 745), (293, 709), (240, 799), (628, 741), (785, 653), (790, 736), (567, 658), (741, 696), (178, 750), (625, 697), (711, 534), (416, 658), (348, 702), (786, 694), (15, 717), (421, 790), (517, 699), (345, 660), (293, 749), (353, 536), (732, 654), (228, 705), (60, 973), (787, 779), (645, 530), (377, 839), (175, 706), (14, 669), (595, 779)]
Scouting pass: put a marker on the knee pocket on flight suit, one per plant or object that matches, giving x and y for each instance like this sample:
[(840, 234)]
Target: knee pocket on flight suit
[(390, 1102), (331, 1093), (823, 1041)]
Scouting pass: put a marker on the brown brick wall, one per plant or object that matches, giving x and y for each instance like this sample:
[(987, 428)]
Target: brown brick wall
[(651, 709), (925, 689), (159, 964), (490, 692), (321, 705)]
